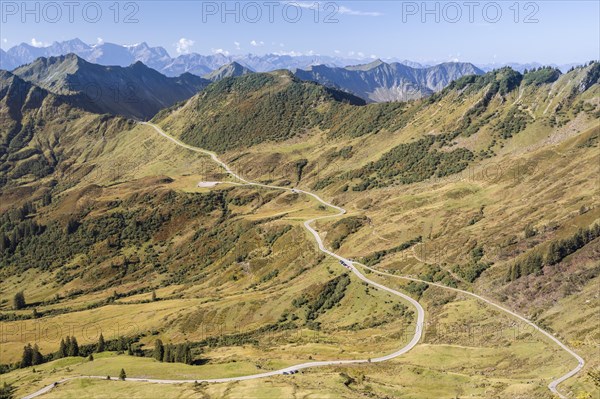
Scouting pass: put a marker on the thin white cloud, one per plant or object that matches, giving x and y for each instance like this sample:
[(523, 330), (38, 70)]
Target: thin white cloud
[(4, 40), (220, 51), (36, 43), (184, 45), (359, 55), (255, 43), (349, 11), (294, 53), (99, 40), (341, 9), (237, 45), (454, 57), (290, 53), (302, 4)]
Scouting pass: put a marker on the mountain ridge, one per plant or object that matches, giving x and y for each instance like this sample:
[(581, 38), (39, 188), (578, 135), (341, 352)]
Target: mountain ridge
[(380, 82), (136, 91), (233, 69), (405, 86), (159, 58)]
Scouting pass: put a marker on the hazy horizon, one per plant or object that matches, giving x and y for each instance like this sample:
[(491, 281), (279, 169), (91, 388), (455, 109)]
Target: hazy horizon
[(364, 59), (424, 32)]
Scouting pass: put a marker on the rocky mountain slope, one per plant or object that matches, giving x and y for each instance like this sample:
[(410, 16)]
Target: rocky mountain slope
[(135, 91), (381, 82), (227, 71)]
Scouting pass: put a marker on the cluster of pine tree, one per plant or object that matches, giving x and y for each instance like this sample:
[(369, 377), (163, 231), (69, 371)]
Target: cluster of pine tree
[(560, 249), (531, 264), (19, 301), (68, 347), (170, 353), (557, 251), (31, 356), (180, 353), (17, 227)]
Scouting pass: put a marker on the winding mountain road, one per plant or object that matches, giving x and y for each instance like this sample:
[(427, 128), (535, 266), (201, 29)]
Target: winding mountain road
[(307, 224), (420, 311), (351, 266), (553, 385)]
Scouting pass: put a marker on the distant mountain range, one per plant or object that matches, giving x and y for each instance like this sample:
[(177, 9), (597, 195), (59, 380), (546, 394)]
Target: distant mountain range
[(140, 92), (135, 91), (381, 82), (138, 80), (375, 82), (158, 58)]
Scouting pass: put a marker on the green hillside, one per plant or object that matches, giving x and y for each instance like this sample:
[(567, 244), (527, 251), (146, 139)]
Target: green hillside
[(489, 185)]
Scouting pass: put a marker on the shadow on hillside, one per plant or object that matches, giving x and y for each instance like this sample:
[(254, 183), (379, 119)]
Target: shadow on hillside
[(200, 362)]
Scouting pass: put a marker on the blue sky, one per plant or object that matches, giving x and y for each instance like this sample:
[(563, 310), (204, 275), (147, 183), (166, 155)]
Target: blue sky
[(480, 31)]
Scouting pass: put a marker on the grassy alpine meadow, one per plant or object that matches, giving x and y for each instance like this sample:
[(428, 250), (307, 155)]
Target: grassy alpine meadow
[(127, 255)]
